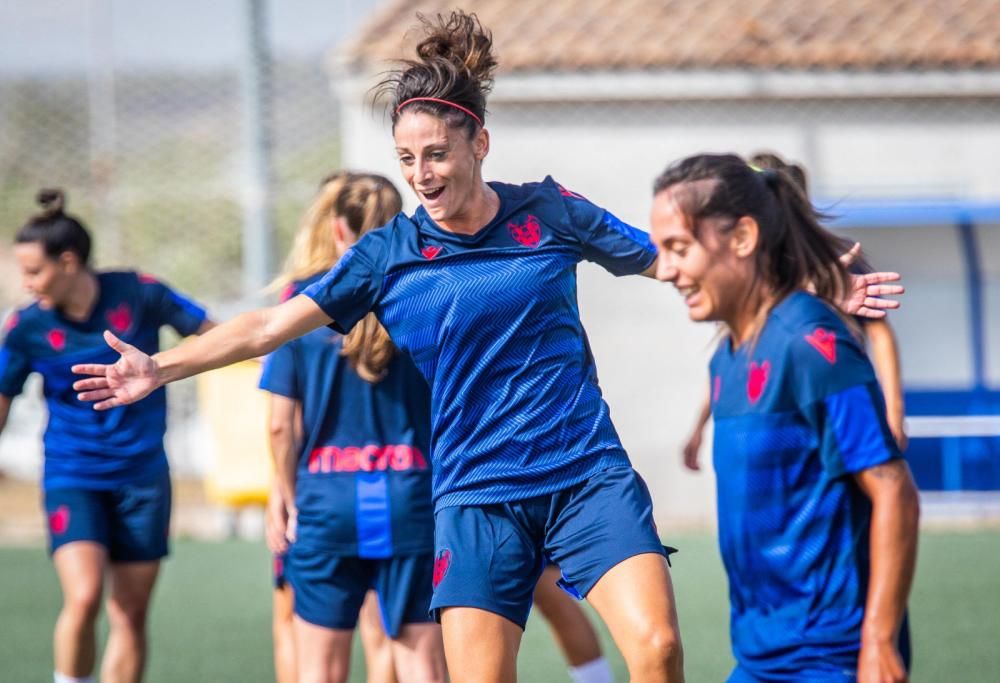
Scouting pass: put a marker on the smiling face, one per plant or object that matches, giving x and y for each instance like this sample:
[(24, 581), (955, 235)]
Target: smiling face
[(49, 280), (442, 166), (713, 269)]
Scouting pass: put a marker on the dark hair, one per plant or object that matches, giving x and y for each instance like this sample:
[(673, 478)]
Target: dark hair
[(766, 160), (56, 231), (793, 252), (455, 63)]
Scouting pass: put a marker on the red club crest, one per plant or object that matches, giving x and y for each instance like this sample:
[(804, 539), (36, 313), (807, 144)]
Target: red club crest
[(59, 520), (57, 339), (147, 279), (430, 252), (825, 342), (529, 234), (569, 193), (441, 564), (757, 380), (119, 318)]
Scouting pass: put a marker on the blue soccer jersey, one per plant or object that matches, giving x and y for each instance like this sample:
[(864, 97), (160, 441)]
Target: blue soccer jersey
[(492, 322), (797, 413), (86, 448), (363, 483)]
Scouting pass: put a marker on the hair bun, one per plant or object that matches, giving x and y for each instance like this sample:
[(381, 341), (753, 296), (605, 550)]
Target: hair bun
[(52, 201)]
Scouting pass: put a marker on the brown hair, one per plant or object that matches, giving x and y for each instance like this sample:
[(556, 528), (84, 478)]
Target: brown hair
[(794, 251), (365, 201), (455, 63), (55, 230)]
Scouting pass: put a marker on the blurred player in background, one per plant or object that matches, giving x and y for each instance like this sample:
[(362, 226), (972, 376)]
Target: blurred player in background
[(106, 482), (817, 509), (883, 349), (350, 432), (479, 288)]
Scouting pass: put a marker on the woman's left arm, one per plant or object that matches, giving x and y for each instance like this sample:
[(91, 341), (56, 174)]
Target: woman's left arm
[(893, 550)]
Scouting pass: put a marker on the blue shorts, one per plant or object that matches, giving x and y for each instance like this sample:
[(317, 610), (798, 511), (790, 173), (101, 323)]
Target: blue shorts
[(278, 570), (491, 556), (330, 588), (131, 521)]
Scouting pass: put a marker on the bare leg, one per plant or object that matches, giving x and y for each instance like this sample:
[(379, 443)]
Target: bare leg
[(480, 646), (419, 654), (636, 600), (283, 634), (570, 626), (80, 567), (131, 588), (322, 655), (374, 641)]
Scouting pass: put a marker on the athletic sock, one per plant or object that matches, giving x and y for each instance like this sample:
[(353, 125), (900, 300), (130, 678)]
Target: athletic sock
[(63, 678), (594, 671)]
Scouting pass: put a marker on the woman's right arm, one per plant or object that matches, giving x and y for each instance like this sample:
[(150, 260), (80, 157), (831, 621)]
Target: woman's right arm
[(248, 335)]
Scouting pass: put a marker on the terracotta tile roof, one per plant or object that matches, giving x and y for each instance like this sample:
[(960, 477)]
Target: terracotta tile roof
[(563, 35)]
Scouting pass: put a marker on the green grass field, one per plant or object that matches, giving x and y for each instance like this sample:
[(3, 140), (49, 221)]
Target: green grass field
[(210, 620)]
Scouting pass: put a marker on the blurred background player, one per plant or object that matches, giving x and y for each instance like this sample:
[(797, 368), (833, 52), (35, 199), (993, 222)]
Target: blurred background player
[(359, 475), (479, 288), (817, 509), (106, 482), (882, 346)]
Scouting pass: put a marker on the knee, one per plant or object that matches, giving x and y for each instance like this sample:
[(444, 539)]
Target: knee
[(82, 604), (128, 615), (661, 650)]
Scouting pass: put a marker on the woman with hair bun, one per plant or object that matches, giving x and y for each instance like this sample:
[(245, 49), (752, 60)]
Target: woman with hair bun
[(106, 482), (478, 286)]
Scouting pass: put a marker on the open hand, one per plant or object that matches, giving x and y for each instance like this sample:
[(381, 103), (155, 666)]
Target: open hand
[(880, 663), (864, 299), (133, 377)]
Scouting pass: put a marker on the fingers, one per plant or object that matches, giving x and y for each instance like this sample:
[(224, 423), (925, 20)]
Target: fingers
[(108, 404), (116, 343), (883, 290), (851, 255), (876, 302), (870, 313), (90, 383), (90, 369), (880, 276), (96, 395)]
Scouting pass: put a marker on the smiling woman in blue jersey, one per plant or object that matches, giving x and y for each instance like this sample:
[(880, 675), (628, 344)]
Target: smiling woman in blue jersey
[(106, 484), (817, 509), (359, 479), (478, 287)]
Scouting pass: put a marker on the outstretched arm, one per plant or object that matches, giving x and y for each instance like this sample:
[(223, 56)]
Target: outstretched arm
[(248, 335), (893, 541)]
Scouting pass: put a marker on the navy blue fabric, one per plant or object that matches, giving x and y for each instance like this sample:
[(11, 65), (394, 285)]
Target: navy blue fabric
[(363, 484), (86, 448), (132, 522), (796, 414), (492, 322), (491, 556), (330, 588)]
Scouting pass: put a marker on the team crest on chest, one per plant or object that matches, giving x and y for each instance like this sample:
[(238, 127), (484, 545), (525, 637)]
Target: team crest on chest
[(56, 338), (527, 234), (119, 318), (757, 380), (430, 251)]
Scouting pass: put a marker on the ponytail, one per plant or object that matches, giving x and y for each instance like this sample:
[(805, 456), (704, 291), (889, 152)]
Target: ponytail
[(56, 231)]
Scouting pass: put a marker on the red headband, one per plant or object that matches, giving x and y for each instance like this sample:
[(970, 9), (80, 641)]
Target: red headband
[(446, 102)]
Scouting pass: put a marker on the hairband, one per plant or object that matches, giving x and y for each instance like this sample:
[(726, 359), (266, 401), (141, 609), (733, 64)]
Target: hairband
[(439, 101)]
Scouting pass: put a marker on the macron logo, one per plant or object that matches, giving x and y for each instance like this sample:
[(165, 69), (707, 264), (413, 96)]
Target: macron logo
[(402, 458)]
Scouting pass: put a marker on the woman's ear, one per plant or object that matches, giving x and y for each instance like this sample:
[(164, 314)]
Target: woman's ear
[(69, 261), (744, 236), (481, 144)]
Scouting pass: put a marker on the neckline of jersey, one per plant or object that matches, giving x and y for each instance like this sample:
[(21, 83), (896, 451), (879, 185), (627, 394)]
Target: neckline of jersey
[(425, 221)]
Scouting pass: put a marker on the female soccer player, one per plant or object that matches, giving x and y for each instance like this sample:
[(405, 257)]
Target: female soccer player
[(884, 351), (359, 475), (479, 288), (106, 483), (817, 509)]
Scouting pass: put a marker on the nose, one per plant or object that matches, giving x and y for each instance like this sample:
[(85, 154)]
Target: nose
[(423, 170), (666, 271)]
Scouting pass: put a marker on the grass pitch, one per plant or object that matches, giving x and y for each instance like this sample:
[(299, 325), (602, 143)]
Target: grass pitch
[(211, 614)]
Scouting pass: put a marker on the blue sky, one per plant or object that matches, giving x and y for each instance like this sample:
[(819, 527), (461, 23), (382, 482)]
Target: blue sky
[(56, 36)]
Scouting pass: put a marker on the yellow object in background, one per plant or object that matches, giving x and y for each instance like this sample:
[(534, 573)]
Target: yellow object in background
[(235, 412)]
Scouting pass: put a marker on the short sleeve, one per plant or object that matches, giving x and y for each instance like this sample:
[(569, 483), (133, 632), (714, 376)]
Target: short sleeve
[(351, 289), (837, 392), (170, 308), (616, 246), (278, 375), (15, 364)]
